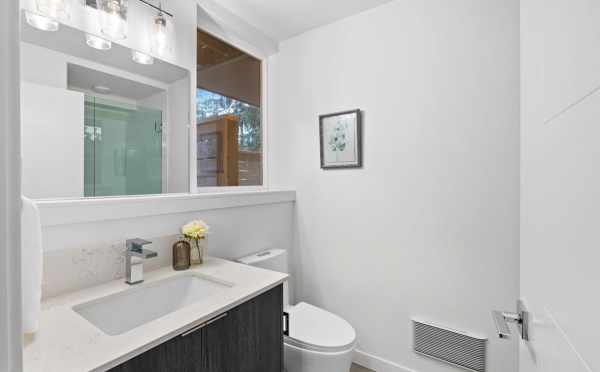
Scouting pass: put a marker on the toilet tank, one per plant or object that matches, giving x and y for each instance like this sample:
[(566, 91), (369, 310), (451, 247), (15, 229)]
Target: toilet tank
[(271, 259)]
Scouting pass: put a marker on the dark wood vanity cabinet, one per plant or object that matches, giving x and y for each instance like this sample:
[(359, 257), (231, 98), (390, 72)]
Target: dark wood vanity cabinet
[(248, 338)]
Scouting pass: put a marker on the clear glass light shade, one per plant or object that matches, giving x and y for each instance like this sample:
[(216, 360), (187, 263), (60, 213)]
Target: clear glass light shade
[(113, 18), (41, 22), (161, 39), (142, 58), (97, 42), (55, 9)]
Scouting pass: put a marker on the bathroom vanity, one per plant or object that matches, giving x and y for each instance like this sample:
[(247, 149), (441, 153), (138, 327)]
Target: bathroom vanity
[(221, 316), (246, 338)]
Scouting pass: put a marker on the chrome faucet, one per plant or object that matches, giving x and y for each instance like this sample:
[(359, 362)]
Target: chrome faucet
[(134, 260)]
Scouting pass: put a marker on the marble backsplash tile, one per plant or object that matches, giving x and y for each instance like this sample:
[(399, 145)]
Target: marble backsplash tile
[(75, 268)]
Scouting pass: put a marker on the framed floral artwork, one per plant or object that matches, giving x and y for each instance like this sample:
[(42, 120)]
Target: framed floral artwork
[(341, 141)]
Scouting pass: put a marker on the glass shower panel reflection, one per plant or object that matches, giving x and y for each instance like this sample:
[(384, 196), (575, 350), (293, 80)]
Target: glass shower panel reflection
[(123, 148)]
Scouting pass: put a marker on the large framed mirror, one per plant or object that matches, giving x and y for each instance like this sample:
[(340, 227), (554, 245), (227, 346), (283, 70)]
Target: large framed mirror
[(100, 122)]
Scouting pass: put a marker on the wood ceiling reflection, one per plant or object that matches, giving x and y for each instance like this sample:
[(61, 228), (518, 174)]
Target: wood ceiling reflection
[(212, 51)]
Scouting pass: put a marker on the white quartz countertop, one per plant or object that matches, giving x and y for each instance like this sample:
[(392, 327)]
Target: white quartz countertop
[(68, 342)]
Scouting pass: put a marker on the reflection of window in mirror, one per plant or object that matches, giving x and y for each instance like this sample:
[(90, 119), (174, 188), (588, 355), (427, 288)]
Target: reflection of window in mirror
[(228, 107)]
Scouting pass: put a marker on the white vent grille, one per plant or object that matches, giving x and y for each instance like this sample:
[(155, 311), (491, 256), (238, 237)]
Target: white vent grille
[(460, 349)]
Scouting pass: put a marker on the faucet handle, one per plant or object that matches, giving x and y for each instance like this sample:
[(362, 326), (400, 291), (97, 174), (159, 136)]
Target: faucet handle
[(136, 244)]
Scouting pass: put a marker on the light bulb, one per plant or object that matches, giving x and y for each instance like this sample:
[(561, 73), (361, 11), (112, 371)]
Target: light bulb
[(141, 58), (160, 34), (97, 42), (41, 22)]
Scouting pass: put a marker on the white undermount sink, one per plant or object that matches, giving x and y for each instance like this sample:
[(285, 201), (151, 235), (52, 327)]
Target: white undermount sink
[(124, 311)]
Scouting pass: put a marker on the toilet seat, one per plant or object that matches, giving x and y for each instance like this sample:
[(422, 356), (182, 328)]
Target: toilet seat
[(315, 329)]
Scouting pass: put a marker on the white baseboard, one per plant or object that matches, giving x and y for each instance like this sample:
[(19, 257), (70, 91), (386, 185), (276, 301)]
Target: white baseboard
[(378, 364)]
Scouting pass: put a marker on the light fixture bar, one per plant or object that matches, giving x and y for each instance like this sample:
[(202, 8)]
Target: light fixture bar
[(156, 7), (92, 3)]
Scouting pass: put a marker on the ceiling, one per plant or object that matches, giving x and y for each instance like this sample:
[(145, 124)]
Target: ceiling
[(282, 19), (83, 78)]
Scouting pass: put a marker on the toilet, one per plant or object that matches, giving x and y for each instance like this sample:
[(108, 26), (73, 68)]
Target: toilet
[(318, 340)]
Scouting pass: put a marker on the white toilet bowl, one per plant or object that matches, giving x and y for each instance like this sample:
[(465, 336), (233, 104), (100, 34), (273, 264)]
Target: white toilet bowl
[(318, 341)]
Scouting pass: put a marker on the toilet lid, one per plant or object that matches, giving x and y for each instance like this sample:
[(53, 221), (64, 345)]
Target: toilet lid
[(317, 329)]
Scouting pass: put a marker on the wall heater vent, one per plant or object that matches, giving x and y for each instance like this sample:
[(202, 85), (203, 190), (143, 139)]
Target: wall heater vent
[(450, 346)]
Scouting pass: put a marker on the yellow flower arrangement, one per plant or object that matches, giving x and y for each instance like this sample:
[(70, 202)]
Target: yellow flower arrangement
[(195, 230)]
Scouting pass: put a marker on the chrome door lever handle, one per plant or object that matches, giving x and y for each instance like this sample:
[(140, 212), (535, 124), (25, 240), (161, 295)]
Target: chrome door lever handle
[(501, 321), (501, 324), (520, 318)]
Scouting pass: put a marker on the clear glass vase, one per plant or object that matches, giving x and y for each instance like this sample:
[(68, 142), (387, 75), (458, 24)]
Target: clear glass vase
[(198, 252)]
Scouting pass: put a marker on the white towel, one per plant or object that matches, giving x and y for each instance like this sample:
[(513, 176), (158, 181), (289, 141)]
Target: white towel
[(31, 265)]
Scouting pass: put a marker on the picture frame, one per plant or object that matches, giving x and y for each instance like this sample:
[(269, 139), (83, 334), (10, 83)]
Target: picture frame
[(340, 137)]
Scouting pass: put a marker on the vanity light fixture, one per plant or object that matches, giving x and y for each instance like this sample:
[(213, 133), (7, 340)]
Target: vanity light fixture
[(141, 58), (113, 18), (97, 42), (41, 22)]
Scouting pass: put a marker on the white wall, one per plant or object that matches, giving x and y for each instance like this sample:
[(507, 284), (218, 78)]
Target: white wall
[(52, 142), (159, 101), (430, 225), (560, 208), (43, 66)]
